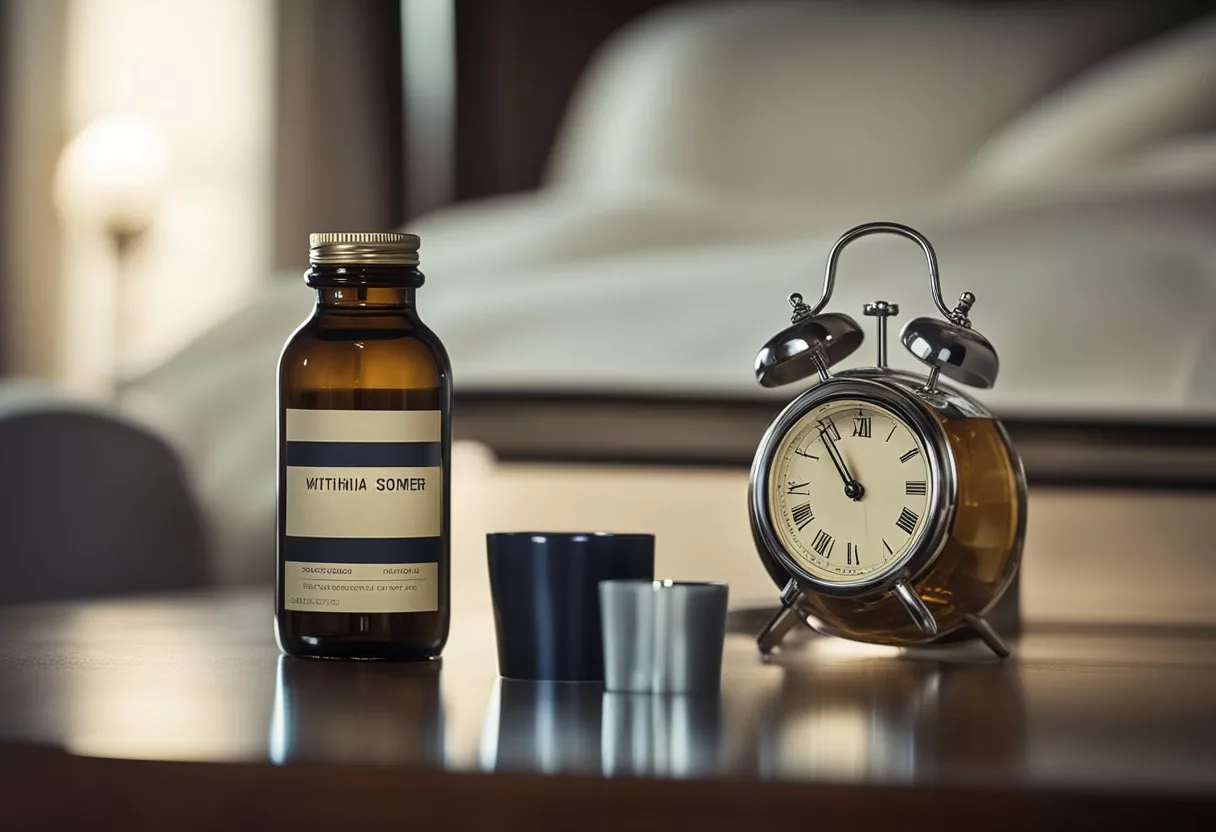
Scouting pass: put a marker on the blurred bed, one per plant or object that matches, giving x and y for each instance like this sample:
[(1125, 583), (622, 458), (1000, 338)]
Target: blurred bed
[(1062, 158)]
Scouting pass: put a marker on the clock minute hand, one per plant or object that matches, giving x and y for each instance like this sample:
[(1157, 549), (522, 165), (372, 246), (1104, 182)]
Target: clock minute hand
[(852, 488)]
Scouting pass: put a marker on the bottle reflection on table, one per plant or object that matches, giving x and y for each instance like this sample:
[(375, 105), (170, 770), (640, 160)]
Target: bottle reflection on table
[(357, 712)]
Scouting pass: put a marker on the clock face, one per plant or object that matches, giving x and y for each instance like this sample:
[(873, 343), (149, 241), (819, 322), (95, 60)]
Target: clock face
[(849, 490)]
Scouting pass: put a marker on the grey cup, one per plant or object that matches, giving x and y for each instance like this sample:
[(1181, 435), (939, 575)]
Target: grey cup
[(663, 636)]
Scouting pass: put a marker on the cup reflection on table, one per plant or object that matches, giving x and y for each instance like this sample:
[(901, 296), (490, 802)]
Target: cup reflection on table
[(577, 728), (546, 727), (656, 735), (357, 712)]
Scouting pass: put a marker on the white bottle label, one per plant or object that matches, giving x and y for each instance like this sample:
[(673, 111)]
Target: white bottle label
[(364, 510)]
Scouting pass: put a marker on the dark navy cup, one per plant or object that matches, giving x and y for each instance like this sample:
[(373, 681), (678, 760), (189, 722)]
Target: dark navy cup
[(545, 588)]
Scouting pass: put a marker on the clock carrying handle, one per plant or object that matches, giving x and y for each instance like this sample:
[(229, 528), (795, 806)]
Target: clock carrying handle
[(829, 277)]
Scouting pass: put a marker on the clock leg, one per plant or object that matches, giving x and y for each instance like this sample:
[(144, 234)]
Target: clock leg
[(984, 630), (787, 618), (916, 608), (774, 632)]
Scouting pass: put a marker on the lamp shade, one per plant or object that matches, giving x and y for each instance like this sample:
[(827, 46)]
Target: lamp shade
[(113, 174)]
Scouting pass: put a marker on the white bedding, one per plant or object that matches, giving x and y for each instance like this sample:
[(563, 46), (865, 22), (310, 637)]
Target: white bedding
[(1075, 197)]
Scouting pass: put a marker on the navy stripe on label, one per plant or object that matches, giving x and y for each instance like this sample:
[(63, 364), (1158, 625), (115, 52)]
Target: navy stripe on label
[(365, 454), (362, 549)]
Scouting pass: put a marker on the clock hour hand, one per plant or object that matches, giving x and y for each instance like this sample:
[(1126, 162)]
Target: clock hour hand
[(852, 488)]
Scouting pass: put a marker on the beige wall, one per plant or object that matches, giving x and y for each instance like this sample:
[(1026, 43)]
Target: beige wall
[(1108, 556), (201, 73), (33, 120)]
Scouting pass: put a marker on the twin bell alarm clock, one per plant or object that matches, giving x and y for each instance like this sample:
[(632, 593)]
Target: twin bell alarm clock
[(889, 507)]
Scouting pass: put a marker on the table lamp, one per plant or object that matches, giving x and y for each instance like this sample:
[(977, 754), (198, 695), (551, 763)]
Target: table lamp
[(111, 177)]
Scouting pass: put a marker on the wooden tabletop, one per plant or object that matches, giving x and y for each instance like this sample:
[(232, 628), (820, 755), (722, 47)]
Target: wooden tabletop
[(131, 710)]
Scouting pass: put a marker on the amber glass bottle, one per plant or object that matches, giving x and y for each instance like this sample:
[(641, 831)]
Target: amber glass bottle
[(365, 391)]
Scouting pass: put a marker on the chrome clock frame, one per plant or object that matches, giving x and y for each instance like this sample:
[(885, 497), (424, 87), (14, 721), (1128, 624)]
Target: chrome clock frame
[(814, 342), (943, 487)]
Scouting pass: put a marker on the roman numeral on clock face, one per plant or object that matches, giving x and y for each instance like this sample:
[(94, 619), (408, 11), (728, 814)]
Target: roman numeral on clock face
[(802, 489), (805, 454), (802, 515), (852, 555), (907, 520), (917, 487), (823, 543), (829, 427), (862, 426), (909, 455)]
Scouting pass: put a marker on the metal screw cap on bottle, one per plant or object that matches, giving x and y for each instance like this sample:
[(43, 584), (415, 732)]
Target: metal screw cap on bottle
[(376, 248)]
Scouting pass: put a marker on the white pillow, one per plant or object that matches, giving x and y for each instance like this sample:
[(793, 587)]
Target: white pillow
[(1131, 105), (822, 100)]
